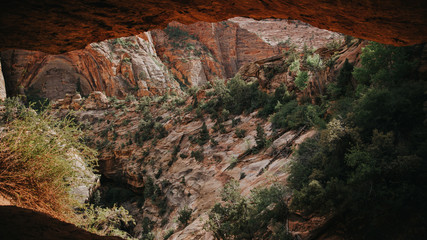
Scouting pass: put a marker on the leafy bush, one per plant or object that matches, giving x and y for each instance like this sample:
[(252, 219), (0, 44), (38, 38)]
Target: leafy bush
[(161, 130), (198, 155), (168, 234), (314, 62), (106, 221), (250, 217), (343, 86), (240, 133), (243, 97), (281, 95), (203, 135), (294, 116), (176, 33), (185, 215), (260, 138), (295, 66), (301, 80)]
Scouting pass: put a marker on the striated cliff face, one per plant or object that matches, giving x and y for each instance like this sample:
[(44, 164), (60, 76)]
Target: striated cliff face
[(149, 63), (117, 67), (203, 51), (166, 164), (287, 32)]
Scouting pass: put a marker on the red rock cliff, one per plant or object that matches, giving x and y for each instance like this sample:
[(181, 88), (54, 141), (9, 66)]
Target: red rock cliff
[(117, 67), (150, 62)]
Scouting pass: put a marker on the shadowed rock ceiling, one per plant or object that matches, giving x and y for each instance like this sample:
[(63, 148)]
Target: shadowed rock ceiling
[(58, 26)]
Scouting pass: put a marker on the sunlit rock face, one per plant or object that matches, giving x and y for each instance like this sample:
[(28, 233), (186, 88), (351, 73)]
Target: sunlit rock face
[(158, 61), (2, 86), (60, 26), (202, 52), (117, 67)]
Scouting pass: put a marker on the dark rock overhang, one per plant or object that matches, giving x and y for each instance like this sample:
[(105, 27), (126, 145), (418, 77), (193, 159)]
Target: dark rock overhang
[(59, 26)]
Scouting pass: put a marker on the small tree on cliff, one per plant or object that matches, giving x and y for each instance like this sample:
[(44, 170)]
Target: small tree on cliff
[(260, 138), (203, 135)]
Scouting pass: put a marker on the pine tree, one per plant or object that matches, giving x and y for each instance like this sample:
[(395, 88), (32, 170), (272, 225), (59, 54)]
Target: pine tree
[(203, 135), (260, 138)]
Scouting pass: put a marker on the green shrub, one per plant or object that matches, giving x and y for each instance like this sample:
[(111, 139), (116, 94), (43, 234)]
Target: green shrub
[(185, 215), (235, 122), (342, 86), (176, 33), (106, 221), (243, 97), (295, 66), (239, 217), (198, 155), (301, 80), (314, 62), (37, 163), (240, 133), (281, 95), (260, 138), (294, 116), (203, 135), (168, 234), (161, 130)]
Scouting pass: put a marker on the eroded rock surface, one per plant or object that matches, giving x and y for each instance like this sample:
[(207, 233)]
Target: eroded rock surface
[(60, 26), (117, 67), (150, 63)]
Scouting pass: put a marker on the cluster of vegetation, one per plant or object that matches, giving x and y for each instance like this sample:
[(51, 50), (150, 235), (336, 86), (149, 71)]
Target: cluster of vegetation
[(368, 167), (262, 215), (125, 43), (149, 129), (36, 165), (39, 168), (154, 192), (106, 221), (184, 215), (198, 155), (237, 97), (177, 34)]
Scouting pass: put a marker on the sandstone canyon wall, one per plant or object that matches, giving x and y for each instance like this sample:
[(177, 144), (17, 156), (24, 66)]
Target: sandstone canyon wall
[(156, 62), (117, 67)]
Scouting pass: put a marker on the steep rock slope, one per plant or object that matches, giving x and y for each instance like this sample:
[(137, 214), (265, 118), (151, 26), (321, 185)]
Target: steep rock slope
[(117, 67), (170, 172), (203, 52), (153, 161), (217, 49), (278, 31)]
